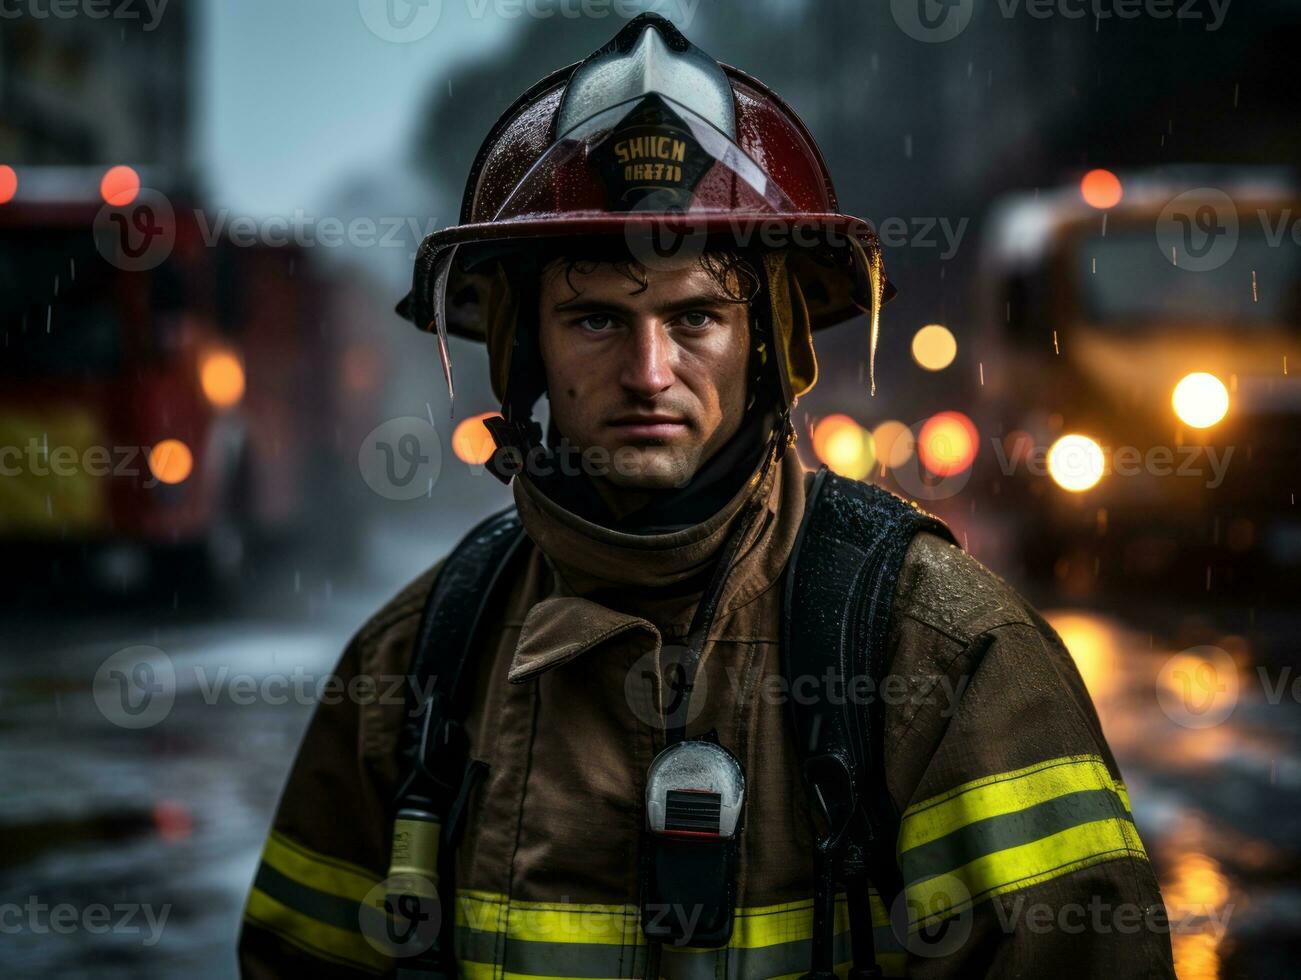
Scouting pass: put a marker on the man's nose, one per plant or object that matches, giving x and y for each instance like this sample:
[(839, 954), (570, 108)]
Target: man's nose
[(648, 360)]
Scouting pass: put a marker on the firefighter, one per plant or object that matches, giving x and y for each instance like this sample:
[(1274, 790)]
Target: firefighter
[(618, 754)]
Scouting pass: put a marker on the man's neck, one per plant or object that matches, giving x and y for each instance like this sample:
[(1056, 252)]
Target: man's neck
[(622, 501)]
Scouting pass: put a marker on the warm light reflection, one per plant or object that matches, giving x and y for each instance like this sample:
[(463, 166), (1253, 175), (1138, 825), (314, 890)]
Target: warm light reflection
[(171, 461), (1076, 463), (8, 183), (222, 378), (947, 443), (1200, 400), (472, 442), (1196, 892), (934, 347), (1092, 647), (1101, 189), (892, 442), (844, 445), (119, 186)]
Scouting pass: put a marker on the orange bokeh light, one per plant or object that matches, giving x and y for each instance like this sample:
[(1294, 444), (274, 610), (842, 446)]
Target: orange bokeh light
[(947, 443), (222, 378), (8, 183), (119, 186), (1101, 189), (171, 461), (472, 442)]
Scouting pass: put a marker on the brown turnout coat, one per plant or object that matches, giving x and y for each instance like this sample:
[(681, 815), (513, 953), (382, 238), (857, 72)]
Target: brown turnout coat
[(1011, 801)]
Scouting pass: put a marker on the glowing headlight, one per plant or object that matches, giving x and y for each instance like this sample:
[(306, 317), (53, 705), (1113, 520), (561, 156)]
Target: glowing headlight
[(1076, 463), (1200, 400)]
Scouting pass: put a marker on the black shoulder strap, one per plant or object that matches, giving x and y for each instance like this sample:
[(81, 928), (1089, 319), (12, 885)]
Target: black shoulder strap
[(840, 589), (445, 640), (433, 749)]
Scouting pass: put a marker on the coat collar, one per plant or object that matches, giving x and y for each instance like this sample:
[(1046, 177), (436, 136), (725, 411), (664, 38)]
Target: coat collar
[(608, 582)]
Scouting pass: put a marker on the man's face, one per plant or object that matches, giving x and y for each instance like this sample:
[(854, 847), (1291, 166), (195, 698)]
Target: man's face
[(654, 376)]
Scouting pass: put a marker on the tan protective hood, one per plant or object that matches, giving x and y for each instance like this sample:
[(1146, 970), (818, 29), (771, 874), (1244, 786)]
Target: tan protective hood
[(790, 278)]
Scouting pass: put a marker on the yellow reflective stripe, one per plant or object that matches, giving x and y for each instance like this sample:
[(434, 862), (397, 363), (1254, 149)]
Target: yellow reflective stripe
[(544, 940), (316, 938), (1124, 796), (560, 922), (998, 794), (315, 870), (1020, 867), (549, 922)]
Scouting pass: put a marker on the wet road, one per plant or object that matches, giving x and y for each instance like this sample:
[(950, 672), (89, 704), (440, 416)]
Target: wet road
[(128, 850)]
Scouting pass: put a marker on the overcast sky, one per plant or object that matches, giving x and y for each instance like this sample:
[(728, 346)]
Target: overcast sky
[(296, 97)]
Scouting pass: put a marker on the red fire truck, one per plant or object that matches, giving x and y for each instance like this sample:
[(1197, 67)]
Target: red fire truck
[(167, 398)]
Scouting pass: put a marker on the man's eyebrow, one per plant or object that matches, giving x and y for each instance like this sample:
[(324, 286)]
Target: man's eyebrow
[(582, 303)]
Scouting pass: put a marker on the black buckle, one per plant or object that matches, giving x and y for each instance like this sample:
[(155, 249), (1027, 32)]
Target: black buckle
[(515, 440)]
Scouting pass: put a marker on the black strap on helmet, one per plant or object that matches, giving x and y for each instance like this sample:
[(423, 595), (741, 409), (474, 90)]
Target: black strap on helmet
[(842, 573)]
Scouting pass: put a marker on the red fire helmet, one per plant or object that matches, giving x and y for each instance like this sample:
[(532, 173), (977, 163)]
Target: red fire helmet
[(651, 140)]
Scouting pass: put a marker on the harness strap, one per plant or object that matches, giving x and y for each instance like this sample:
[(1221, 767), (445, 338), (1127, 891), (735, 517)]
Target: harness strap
[(840, 587), (433, 746)]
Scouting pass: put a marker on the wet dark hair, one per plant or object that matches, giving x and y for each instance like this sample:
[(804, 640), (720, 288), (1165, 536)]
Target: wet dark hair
[(736, 273)]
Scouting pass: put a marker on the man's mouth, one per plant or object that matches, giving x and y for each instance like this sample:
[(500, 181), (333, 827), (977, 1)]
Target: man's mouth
[(650, 425)]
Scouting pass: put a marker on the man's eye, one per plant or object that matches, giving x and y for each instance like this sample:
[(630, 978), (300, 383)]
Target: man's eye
[(696, 319), (596, 322)]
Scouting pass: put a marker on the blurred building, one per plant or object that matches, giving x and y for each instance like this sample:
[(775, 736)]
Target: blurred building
[(86, 90)]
